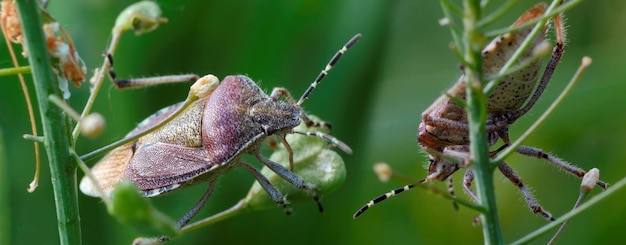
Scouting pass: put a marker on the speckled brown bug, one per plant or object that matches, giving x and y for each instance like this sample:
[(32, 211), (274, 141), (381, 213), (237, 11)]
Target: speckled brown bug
[(208, 139), (443, 133)]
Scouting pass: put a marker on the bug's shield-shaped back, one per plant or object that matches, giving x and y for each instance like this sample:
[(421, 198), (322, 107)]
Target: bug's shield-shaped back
[(183, 131)]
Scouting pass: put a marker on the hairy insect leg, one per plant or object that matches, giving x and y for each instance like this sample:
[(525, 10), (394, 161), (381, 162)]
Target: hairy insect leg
[(538, 153), (510, 174), (468, 178), (146, 81), (196, 208), (276, 196), (291, 178), (557, 52)]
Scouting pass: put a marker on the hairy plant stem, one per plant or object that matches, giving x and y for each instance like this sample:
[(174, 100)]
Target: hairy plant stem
[(55, 124), (473, 40)]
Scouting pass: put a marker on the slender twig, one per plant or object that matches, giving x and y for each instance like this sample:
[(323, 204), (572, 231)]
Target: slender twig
[(473, 39), (55, 125), (586, 61), (539, 26), (14, 71), (619, 186), (29, 105)]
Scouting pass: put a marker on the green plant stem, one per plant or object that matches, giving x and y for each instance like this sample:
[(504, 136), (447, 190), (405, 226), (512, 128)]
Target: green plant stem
[(14, 71), (477, 115), (619, 186), (55, 127)]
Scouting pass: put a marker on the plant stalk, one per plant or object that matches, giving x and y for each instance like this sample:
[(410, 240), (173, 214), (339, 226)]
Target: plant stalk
[(55, 125), (473, 40)]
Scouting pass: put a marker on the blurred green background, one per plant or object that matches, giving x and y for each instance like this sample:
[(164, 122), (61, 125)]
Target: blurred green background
[(373, 98)]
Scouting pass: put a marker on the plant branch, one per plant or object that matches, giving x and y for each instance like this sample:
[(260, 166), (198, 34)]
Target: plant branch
[(474, 40), (55, 125)]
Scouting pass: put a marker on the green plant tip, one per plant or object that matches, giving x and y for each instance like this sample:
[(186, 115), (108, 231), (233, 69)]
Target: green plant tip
[(142, 17)]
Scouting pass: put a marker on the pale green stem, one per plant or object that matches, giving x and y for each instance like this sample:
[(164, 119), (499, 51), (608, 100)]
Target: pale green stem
[(55, 125)]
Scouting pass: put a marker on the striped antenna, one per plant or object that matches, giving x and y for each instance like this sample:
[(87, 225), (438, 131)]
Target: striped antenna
[(329, 66), (385, 197)]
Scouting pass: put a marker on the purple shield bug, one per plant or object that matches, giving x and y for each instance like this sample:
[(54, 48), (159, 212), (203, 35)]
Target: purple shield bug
[(209, 137), (444, 131)]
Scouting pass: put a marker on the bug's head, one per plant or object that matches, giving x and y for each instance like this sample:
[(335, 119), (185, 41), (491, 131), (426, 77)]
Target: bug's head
[(275, 116)]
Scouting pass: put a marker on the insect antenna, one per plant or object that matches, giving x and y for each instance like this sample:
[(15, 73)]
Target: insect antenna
[(329, 66), (384, 197)]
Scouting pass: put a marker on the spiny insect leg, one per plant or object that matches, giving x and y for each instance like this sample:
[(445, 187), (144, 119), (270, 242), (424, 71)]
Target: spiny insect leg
[(382, 198), (334, 141), (291, 178), (146, 81), (538, 153), (557, 52), (276, 196), (196, 208), (329, 66), (510, 174)]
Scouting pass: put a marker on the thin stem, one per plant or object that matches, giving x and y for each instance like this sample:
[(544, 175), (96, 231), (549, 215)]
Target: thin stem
[(238, 208), (522, 48), (586, 61), (477, 116), (14, 71), (550, 12), (583, 207), (29, 106), (96, 81), (55, 125), (54, 99), (85, 169), (448, 8), (190, 99), (497, 14)]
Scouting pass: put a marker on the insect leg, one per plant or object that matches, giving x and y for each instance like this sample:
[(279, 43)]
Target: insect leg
[(276, 196), (538, 153), (291, 178), (557, 52), (289, 150), (510, 174), (468, 178), (146, 81), (194, 210)]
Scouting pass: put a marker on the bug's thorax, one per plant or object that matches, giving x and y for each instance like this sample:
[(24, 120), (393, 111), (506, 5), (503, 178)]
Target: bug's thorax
[(238, 114)]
